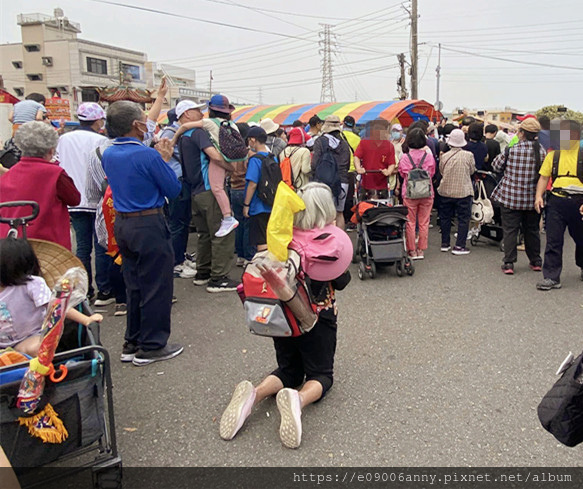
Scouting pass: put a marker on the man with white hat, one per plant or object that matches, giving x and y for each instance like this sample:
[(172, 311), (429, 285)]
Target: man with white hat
[(274, 143), (73, 152)]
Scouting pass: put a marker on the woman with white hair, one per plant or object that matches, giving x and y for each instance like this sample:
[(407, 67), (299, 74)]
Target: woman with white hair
[(325, 252), (37, 178)]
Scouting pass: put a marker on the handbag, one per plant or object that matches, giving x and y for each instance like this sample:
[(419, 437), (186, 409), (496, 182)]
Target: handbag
[(482, 210), (561, 409)]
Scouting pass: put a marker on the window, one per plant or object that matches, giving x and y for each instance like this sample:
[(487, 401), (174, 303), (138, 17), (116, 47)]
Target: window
[(97, 66), (19, 91), (89, 95), (132, 71), (34, 76), (32, 48), (17, 64)]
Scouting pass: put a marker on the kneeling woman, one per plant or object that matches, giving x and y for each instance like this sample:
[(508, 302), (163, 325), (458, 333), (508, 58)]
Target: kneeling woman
[(309, 357)]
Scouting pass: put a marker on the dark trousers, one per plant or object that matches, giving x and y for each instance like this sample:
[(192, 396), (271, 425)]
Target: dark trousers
[(118, 286), (350, 197), (527, 222), (179, 214), (462, 208), (85, 237), (242, 246), (562, 213), (214, 255), (310, 356), (147, 266)]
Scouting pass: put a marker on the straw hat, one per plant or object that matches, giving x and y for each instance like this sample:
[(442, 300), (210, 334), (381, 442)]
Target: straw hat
[(530, 125), (331, 124), (54, 260)]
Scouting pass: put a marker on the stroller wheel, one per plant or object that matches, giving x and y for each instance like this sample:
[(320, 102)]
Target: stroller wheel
[(502, 246), (373, 270), (399, 268), (474, 240), (361, 271), (409, 268)]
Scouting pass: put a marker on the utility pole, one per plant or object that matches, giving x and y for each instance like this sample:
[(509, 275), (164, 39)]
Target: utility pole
[(414, 50), (328, 47), (402, 82), (438, 104)]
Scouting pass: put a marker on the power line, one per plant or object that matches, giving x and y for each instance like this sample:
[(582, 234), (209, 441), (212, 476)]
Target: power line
[(512, 60)]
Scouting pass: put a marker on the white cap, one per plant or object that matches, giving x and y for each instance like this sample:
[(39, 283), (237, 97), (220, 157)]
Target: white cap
[(185, 105)]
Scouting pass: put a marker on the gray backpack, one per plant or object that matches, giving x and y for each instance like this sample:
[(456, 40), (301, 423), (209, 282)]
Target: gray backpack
[(419, 181)]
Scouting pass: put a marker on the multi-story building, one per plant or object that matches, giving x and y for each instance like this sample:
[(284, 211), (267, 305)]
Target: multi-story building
[(52, 60)]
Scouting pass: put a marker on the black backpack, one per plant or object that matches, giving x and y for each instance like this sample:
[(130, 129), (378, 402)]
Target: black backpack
[(327, 171), (269, 180), (10, 154), (555, 168)]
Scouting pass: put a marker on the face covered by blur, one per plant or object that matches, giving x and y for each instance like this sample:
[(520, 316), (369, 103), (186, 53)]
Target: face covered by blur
[(565, 135)]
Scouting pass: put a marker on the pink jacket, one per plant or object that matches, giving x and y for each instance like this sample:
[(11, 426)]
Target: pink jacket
[(405, 165)]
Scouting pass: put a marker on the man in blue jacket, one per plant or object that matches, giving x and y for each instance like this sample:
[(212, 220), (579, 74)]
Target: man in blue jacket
[(140, 179)]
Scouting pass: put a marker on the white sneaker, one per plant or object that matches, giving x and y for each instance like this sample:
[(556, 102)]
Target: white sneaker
[(189, 263), (290, 429), (238, 410), (227, 225), (183, 271)]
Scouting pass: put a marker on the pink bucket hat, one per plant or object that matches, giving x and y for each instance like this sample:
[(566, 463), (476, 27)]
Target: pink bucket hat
[(90, 111), (326, 253), (456, 139)]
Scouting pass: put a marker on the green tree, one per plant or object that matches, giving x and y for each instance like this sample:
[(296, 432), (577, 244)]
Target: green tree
[(552, 112)]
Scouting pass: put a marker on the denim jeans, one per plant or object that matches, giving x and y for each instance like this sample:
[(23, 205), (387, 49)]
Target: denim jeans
[(242, 246), (179, 214), (448, 207), (84, 227)]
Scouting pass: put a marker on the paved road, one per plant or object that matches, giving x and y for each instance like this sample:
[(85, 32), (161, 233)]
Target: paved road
[(444, 368)]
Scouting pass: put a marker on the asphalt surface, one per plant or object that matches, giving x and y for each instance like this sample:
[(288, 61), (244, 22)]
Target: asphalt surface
[(445, 368)]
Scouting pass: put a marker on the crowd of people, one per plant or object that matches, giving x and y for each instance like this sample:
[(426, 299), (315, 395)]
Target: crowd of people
[(131, 192)]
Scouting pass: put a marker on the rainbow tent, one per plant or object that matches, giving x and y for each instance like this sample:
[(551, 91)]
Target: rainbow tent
[(403, 112)]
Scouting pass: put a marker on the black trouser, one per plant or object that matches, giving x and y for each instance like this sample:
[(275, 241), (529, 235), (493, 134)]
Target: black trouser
[(562, 213), (147, 266), (514, 221), (350, 197), (310, 355), (462, 208)]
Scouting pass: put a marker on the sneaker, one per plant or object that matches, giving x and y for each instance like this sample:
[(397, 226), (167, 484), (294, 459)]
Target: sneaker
[(458, 250), (142, 358), (418, 256), (201, 279), (183, 271), (240, 261), (227, 225), (508, 268), (412, 255), (223, 284), (174, 299), (445, 248), (238, 410), (104, 298), (548, 284), (120, 310), (535, 267), (290, 429), (128, 352), (520, 247), (350, 227), (189, 261)]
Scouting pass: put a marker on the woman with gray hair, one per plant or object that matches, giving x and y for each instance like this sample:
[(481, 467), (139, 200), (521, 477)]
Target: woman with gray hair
[(36, 178), (325, 252)]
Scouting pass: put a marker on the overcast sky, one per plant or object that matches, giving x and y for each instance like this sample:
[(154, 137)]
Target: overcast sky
[(249, 65)]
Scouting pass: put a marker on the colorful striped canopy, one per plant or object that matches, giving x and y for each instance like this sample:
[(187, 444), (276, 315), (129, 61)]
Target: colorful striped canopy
[(404, 112)]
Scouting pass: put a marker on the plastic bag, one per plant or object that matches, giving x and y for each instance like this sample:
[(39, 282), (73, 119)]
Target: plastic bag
[(281, 221)]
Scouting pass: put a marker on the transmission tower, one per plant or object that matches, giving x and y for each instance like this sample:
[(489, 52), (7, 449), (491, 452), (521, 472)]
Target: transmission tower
[(327, 49)]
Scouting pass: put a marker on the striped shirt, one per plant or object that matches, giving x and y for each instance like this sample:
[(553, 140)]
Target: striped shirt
[(26, 111), (517, 189)]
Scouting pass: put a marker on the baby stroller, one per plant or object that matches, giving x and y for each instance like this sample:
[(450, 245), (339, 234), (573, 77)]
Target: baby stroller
[(81, 397), (493, 229), (381, 238)]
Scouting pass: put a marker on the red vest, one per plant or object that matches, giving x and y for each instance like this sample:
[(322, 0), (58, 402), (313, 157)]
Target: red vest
[(36, 179)]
